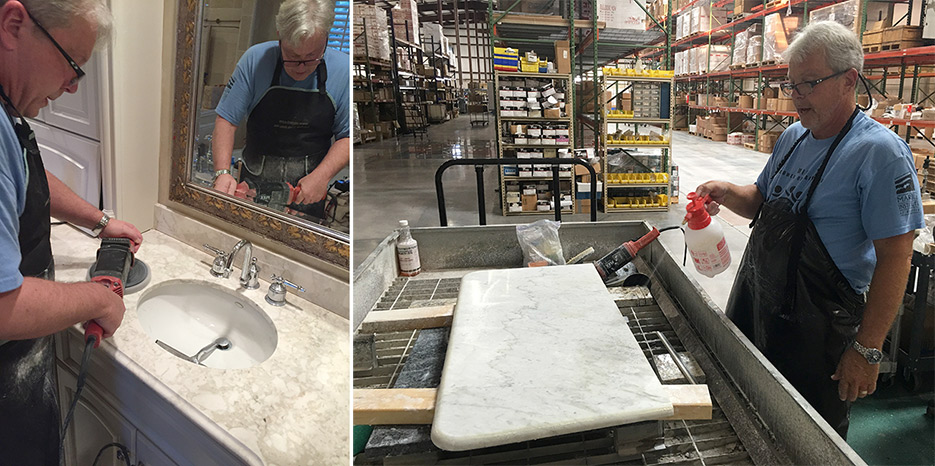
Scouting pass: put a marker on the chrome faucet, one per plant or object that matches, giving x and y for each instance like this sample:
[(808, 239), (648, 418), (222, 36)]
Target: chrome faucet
[(223, 264)]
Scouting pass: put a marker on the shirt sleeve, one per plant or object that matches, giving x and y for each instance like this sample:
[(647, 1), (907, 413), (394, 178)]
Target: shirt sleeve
[(238, 95), (891, 201), (10, 257), (338, 88)]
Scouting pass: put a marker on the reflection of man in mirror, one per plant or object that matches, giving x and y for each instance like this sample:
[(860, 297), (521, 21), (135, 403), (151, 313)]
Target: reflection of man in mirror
[(294, 93)]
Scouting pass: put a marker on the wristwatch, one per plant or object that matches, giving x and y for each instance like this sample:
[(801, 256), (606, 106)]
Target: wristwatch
[(873, 355), (100, 225)]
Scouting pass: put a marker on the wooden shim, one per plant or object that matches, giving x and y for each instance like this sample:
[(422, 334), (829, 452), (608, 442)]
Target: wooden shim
[(407, 319), (394, 406), (388, 406)]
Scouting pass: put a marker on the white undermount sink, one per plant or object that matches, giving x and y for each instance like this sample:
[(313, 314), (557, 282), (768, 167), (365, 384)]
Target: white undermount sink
[(189, 315)]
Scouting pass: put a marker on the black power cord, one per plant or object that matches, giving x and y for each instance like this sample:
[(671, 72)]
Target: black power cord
[(79, 386)]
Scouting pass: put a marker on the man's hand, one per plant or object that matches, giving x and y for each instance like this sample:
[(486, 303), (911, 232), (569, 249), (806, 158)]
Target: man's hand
[(856, 377), (717, 190), (312, 189), (120, 229), (111, 312), (226, 184)]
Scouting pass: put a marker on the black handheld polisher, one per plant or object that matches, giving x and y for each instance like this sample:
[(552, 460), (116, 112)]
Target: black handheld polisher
[(111, 268)]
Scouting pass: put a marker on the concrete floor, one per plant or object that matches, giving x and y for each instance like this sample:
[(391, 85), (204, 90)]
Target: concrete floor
[(395, 179)]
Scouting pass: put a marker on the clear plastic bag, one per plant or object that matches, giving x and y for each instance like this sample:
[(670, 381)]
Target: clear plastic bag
[(540, 243)]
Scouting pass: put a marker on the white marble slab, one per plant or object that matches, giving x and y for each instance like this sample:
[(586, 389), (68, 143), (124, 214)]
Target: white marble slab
[(539, 352)]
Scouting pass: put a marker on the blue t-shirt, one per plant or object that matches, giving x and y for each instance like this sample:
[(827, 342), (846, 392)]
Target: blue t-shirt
[(12, 203), (254, 73), (869, 191)]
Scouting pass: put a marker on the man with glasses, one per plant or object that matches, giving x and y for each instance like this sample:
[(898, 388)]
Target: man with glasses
[(294, 93), (42, 44), (833, 214)]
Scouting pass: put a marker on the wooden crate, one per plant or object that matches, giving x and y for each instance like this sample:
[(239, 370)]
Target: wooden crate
[(872, 38), (902, 33)]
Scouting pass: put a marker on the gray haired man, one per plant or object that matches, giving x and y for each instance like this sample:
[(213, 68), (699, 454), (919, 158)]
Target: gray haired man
[(833, 217), (42, 47)]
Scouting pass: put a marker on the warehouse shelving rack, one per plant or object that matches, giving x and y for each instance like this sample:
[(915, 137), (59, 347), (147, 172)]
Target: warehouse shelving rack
[(503, 123), (656, 177), (372, 76)]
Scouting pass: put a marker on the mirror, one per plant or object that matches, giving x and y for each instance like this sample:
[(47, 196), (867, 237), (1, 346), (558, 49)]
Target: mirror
[(209, 44)]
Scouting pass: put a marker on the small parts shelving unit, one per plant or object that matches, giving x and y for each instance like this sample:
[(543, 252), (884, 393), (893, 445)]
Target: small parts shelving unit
[(534, 121), (637, 141)]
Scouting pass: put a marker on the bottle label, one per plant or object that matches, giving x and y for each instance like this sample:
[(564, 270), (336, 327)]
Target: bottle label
[(409, 264), (712, 261)]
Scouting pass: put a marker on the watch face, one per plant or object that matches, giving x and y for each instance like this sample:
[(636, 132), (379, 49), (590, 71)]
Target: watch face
[(874, 356)]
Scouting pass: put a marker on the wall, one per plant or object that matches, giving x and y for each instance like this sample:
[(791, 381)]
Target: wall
[(133, 119)]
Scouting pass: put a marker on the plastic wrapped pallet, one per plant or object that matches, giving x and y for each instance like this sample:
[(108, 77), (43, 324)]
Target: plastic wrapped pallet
[(692, 62), (754, 46), (719, 57), (701, 55), (406, 21), (845, 13), (378, 38), (740, 48), (775, 40)]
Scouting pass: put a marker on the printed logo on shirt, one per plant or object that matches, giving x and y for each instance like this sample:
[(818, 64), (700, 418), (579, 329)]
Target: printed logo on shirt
[(906, 199), (230, 84)]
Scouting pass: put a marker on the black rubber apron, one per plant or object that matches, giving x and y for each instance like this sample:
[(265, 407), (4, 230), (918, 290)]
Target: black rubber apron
[(288, 134), (29, 412), (791, 300)]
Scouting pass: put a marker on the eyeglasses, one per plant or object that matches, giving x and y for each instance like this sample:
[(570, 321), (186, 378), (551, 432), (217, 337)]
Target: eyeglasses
[(298, 63), (79, 73), (805, 88)]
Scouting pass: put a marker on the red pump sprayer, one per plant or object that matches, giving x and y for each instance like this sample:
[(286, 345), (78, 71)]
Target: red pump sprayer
[(705, 238)]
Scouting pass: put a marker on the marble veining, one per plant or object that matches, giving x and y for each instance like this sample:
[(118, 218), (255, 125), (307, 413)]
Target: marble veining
[(539, 352), (292, 409)]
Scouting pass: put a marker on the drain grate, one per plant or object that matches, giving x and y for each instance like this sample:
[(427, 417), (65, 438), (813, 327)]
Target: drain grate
[(693, 442)]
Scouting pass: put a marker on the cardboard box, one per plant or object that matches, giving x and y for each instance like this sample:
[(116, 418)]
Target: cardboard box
[(745, 101), (552, 113), (529, 202), (562, 57)]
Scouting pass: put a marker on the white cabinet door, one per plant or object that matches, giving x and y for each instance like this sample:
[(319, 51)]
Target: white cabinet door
[(148, 454), (73, 159), (94, 425), (79, 112)]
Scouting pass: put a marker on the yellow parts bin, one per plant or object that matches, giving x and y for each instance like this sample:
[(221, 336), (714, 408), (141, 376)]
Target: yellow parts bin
[(505, 59)]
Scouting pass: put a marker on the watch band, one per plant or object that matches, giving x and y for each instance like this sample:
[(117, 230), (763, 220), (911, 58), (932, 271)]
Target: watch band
[(223, 171), (105, 219), (872, 355)]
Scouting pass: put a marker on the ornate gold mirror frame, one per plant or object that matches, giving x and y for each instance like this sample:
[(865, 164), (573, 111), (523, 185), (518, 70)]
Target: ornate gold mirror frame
[(325, 244)]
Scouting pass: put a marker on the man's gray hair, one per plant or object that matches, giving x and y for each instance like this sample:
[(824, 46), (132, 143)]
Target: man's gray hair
[(840, 46), (54, 14), (298, 20)]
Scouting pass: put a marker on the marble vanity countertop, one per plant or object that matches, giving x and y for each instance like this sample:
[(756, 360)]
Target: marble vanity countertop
[(292, 409)]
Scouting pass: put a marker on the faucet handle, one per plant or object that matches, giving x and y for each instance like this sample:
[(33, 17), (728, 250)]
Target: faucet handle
[(219, 267), (277, 292), (283, 281)]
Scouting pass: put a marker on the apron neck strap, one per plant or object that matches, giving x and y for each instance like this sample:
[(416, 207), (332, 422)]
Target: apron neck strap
[(824, 163), (8, 105)]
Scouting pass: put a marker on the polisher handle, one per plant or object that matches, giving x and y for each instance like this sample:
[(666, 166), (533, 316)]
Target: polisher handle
[(91, 328)]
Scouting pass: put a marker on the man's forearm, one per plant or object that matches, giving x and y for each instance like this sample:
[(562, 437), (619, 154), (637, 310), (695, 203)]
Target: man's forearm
[(68, 206), (41, 307), (338, 156), (222, 143), (887, 287), (743, 200)]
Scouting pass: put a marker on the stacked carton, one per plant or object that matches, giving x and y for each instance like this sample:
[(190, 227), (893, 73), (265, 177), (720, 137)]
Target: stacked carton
[(777, 34), (406, 21), (766, 140), (378, 38)]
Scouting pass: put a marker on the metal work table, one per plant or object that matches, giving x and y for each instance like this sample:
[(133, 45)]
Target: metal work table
[(758, 417)]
